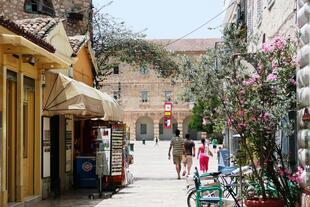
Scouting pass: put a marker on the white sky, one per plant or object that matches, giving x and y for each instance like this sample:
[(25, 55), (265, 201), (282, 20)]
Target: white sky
[(167, 19)]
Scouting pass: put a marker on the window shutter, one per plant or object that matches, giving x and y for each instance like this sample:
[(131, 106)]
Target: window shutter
[(270, 3), (259, 10), (250, 17)]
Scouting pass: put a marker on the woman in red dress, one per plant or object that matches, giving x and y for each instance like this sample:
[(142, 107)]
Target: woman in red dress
[(203, 152)]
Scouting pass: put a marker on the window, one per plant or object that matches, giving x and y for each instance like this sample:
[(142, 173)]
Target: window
[(168, 96), (143, 129), (259, 10), (115, 69), (39, 6), (143, 70), (161, 128), (144, 96), (115, 95)]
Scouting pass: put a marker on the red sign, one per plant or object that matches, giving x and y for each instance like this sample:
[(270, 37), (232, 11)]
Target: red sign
[(168, 115), (167, 123)]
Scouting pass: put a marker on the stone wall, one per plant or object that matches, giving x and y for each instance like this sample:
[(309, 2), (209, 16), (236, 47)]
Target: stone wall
[(303, 93), (14, 9)]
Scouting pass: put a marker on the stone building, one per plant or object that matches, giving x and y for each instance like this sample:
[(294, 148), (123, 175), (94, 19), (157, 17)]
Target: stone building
[(142, 94), (76, 14)]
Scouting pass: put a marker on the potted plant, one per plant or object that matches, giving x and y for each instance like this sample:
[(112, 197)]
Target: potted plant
[(257, 97)]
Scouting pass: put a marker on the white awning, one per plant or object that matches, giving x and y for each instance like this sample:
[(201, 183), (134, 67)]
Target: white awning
[(65, 96)]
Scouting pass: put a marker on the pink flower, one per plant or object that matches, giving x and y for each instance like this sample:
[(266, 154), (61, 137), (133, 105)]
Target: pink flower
[(254, 118), (265, 116), (241, 126), (272, 77), (292, 81), (229, 122), (274, 65), (254, 77), (266, 47), (279, 42), (296, 61), (241, 113)]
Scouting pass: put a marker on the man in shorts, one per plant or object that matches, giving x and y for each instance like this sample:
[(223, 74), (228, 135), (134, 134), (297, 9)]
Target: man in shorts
[(176, 144), (189, 153)]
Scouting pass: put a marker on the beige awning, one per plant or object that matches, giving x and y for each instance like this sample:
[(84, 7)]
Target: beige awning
[(65, 96)]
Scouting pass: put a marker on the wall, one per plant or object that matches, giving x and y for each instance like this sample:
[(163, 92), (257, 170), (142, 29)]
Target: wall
[(279, 19), (14, 9), (303, 91), (82, 69)]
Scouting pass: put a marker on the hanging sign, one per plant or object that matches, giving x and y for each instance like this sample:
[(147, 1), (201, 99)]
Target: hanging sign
[(168, 115)]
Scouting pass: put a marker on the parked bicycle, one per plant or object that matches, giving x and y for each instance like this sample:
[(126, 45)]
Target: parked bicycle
[(217, 187)]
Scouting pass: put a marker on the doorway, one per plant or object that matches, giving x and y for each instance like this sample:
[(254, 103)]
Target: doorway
[(55, 178), (28, 136), (11, 106)]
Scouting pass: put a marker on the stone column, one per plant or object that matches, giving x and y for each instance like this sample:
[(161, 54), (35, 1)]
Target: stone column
[(180, 127), (156, 129)]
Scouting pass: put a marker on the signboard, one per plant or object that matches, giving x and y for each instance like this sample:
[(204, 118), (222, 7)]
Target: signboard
[(68, 144), (168, 115), (106, 138), (118, 137), (46, 148)]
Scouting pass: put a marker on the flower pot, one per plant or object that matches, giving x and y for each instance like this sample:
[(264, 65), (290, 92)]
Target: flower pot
[(269, 202)]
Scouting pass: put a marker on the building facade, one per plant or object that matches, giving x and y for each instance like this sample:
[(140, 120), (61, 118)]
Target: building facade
[(76, 14), (142, 94), (266, 19)]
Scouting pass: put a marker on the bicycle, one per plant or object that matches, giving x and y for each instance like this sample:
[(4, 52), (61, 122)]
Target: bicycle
[(223, 186)]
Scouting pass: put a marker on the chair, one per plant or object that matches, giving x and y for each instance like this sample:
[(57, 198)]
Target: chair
[(202, 189)]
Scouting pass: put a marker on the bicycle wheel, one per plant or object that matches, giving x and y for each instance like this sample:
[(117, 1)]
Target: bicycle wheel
[(191, 198)]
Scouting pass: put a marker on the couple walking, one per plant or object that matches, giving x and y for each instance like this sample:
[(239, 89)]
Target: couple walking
[(183, 151)]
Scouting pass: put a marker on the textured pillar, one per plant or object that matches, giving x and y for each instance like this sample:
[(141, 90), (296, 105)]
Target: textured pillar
[(156, 129), (180, 127), (303, 91)]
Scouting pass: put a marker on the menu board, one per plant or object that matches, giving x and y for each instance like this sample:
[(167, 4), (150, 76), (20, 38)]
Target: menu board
[(46, 148), (118, 136), (68, 144)]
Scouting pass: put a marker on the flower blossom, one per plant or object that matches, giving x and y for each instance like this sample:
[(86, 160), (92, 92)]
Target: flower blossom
[(292, 81), (229, 122), (266, 47), (279, 42), (272, 77), (251, 80)]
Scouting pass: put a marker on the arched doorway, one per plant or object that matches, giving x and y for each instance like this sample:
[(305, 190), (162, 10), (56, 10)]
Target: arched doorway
[(144, 128), (187, 130), (167, 134)]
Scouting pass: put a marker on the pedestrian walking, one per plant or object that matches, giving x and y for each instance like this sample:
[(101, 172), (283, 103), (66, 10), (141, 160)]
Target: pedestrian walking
[(156, 141), (203, 155), (189, 153), (176, 144)]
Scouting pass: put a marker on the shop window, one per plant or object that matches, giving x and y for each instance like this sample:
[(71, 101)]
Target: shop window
[(39, 6), (168, 96), (115, 69), (143, 129), (144, 96)]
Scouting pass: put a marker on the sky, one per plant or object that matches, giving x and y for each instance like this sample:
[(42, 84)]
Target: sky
[(167, 19)]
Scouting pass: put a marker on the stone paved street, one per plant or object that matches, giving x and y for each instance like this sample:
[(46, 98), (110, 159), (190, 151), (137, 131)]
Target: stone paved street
[(155, 183), (155, 180)]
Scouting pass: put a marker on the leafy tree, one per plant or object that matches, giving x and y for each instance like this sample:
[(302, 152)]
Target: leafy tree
[(114, 41)]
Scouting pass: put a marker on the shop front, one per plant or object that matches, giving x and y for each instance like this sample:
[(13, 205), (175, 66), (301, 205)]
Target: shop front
[(23, 57), (69, 139)]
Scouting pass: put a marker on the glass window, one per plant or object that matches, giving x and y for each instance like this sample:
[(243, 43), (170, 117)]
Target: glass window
[(115, 69), (144, 96), (168, 96), (143, 129), (39, 6), (144, 70)]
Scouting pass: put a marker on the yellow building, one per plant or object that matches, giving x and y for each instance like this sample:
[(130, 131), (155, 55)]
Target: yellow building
[(23, 59)]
